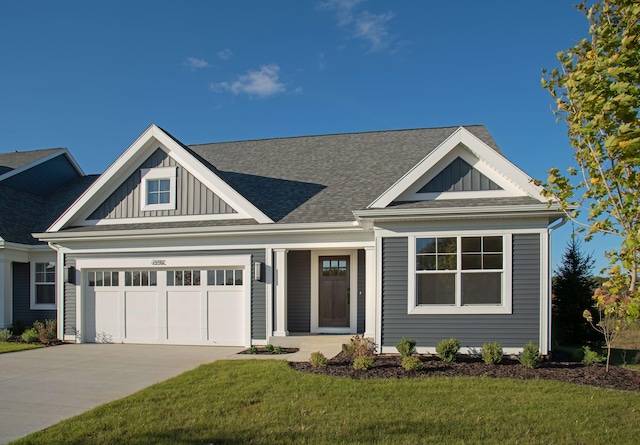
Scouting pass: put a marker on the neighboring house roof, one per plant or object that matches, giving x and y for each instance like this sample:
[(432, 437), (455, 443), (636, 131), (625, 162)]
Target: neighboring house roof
[(15, 160)]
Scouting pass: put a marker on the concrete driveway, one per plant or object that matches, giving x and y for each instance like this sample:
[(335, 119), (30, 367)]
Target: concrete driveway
[(41, 387)]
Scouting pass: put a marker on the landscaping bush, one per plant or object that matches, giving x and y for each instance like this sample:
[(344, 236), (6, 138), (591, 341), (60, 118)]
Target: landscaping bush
[(47, 331), (406, 347), (269, 347), (30, 336), (318, 360), (448, 349), (359, 346), (492, 353), (18, 327), (278, 349), (411, 363), (253, 350), (363, 362), (590, 356), (530, 357), (5, 334)]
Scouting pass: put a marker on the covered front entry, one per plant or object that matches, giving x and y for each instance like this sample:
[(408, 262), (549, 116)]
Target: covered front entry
[(186, 305), (334, 292)]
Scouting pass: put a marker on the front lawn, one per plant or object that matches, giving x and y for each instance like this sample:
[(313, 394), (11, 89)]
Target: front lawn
[(13, 347), (266, 402)]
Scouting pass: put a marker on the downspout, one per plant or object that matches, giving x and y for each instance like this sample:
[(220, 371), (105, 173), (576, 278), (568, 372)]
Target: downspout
[(562, 222), (59, 288)]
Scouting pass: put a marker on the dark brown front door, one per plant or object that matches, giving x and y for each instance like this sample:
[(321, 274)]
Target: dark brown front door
[(334, 292)]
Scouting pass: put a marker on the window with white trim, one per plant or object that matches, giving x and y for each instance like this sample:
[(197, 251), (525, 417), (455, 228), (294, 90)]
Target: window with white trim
[(183, 278), (141, 278), (158, 188), (103, 278), (45, 284), (460, 274)]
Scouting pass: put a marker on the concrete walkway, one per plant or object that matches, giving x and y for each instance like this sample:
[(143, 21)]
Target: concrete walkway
[(41, 387)]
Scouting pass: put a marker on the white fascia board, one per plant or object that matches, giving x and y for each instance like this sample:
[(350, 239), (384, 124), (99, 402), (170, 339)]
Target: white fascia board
[(457, 212), (137, 152), (189, 232), (57, 152), (481, 150)]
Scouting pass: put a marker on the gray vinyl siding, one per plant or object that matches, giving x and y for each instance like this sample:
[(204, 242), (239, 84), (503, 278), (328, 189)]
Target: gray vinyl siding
[(70, 298), (299, 291), (361, 290), (192, 197), (45, 177), (459, 176), (512, 330), (258, 295), (21, 276)]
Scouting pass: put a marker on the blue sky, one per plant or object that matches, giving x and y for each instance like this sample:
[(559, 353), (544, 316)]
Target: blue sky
[(92, 76)]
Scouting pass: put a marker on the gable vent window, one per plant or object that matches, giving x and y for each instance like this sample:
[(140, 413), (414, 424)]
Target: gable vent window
[(158, 189)]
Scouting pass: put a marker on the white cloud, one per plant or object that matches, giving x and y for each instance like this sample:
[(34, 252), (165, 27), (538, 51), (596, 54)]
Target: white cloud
[(372, 28), (298, 90), (261, 83), (321, 61), (343, 8), (225, 54), (363, 25), (194, 63)]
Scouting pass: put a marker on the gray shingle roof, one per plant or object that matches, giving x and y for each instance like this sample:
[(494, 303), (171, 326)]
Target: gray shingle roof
[(322, 178), (13, 160)]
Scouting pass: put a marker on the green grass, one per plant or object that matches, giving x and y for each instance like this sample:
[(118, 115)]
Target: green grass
[(265, 402), (13, 347)]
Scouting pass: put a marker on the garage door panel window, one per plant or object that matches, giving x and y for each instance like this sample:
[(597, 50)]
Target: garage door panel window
[(103, 278), (183, 278), (141, 278), (225, 277)]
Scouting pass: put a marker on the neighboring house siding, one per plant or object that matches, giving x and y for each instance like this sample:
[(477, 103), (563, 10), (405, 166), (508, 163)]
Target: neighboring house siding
[(512, 331), (22, 297), (192, 197), (459, 176), (362, 282), (45, 177), (70, 298), (258, 295), (299, 291)]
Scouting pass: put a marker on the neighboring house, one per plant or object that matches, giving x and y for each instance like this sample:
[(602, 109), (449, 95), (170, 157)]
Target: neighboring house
[(35, 187), (427, 233)]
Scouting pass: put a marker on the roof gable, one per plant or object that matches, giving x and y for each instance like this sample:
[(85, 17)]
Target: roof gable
[(459, 176), (486, 161), (103, 194)]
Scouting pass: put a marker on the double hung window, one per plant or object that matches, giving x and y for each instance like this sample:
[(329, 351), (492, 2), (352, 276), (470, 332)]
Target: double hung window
[(45, 284)]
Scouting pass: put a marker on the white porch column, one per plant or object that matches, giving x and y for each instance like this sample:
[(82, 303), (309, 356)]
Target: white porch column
[(280, 282), (370, 292), (6, 291)]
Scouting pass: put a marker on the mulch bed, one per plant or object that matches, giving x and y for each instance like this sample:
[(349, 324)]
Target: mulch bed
[(388, 366), (263, 351)]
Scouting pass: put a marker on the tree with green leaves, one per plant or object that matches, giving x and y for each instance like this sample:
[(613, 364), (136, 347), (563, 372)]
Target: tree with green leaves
[(573, 288), (597, 94)]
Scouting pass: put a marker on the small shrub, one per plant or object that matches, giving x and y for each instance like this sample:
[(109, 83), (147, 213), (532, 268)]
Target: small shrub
[(5, 334), (448, 349), (269, 347), (363, 362), (278, 349), (18, 327), (30, 336), (530, 357), (406, 347), (492, 353), (591, 356), (318, 360), (253, 350), (411, 363), (359, 346), (47, 331)]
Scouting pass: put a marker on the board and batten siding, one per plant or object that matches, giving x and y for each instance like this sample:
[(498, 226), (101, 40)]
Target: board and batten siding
[(21, 276), (258, 294), (299, 291), (511, 330), (459, 176), (192, 197)]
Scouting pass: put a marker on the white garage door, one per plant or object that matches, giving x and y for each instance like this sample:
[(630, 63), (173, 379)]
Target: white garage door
[(167, 306)]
